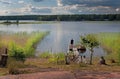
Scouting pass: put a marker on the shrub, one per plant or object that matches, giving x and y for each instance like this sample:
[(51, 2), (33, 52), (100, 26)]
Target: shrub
[(17, 53)]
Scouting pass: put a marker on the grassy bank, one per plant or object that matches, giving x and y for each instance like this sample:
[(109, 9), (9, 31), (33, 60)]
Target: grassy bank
[(48, 60), (111, 43), (22, 42)]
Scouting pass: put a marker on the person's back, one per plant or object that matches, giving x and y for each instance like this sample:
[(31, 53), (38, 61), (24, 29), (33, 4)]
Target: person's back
[(102, 61)]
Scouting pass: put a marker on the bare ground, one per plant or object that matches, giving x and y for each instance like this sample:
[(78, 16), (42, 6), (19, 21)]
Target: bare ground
[(39, 70), (66, 75)]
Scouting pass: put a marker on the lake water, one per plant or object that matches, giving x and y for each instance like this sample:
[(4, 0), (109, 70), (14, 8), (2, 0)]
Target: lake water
[(62, 32)]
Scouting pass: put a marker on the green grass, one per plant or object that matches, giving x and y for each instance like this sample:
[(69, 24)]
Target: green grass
[(24, 42), (53, 57), (111, 43)]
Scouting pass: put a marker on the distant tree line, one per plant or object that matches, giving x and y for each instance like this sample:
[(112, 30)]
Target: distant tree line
[(82, 17)]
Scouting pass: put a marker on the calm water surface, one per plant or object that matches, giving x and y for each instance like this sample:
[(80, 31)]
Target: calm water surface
[(61, 33)]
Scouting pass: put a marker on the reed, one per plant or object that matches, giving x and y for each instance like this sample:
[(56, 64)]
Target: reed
[(111, 43), (22, 41)]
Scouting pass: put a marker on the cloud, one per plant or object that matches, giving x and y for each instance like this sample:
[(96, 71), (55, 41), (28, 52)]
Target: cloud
[(37, 0), (64, 9), (61, 7), (90, 6), (20, 2), (3, 12), (41, 9), (6, 2), (30, 9), (94, 10), (91, 3), (68, 9), (72, 2), (26, 8), (117, 10), (101, 9), (59, 3)]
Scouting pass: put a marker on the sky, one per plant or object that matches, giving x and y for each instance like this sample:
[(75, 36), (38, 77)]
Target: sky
[(54, 7)]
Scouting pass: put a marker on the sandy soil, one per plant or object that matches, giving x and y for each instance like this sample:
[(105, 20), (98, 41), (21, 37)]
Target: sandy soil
[(66, 75)]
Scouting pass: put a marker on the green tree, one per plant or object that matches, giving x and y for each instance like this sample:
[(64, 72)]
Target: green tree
[(90, 42)]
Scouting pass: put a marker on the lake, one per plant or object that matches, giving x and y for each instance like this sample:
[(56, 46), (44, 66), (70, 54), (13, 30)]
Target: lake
[(62, 32)]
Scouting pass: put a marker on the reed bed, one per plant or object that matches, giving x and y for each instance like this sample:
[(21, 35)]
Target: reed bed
[(22, 41), (111, 43)]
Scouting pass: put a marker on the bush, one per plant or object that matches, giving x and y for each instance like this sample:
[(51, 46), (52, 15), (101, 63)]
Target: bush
[(17, 53)]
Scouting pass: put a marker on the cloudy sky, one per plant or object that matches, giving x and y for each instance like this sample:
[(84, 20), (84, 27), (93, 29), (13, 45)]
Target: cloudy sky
[(43, 7)]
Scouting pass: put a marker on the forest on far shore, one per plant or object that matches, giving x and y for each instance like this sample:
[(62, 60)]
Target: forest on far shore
[(77, 17)]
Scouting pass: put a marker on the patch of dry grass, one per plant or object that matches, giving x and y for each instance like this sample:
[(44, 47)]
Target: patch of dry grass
[(32, 65), (44, 63), (3, 71), (18, 39)]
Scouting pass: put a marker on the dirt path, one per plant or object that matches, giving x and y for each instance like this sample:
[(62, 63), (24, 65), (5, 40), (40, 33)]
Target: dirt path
[(96, 75), (66, 75), (42, 75)]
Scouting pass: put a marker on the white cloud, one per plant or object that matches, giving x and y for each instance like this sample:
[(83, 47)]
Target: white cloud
[(26, 8), (20, 2), (37, 0), (101, 10), (59, 3), (63, 9), (41, 9), (3, 12), (117, 9), (29, 8), (89, 0), (6, 2)]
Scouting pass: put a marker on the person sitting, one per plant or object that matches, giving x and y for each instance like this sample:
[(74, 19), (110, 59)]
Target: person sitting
[(102, 61), (112, 61), (84, 59)]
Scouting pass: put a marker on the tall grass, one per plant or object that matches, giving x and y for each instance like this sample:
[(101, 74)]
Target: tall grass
[(13, 66), (22, 41), (111, 43), (32, 42), (58, 58)]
